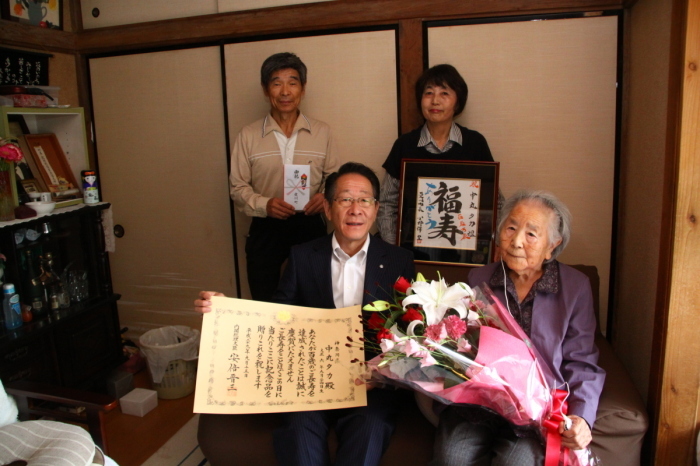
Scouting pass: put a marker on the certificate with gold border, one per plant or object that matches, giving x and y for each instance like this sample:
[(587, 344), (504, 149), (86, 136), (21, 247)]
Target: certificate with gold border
[(258, 357)]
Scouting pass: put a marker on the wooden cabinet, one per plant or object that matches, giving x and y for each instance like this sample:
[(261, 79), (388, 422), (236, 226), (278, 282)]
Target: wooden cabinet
[(76, 346)]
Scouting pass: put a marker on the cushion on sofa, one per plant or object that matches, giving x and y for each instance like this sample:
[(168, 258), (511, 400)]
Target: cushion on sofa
[(621, 421)]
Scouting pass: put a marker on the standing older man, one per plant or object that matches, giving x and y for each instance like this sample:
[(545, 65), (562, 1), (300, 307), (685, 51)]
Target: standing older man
[(260, 152), (345, 268)]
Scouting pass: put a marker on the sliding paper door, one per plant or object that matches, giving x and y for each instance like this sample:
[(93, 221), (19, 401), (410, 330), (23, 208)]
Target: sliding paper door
[(161, 145), (351, 86), (543, 93)]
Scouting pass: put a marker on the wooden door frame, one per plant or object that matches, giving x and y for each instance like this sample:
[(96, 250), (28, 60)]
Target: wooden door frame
[(674, 399)]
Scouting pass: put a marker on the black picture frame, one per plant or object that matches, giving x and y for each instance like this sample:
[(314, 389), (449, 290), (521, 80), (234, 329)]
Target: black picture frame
[(34, 12), (487, 175)]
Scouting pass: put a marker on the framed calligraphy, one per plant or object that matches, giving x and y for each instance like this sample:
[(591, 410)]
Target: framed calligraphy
[(53, 167), (447, 210)]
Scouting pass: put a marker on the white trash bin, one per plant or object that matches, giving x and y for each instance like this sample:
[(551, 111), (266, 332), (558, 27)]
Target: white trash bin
[(171, 353)]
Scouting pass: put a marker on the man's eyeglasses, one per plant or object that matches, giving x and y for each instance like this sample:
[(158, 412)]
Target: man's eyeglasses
[(364, 202)]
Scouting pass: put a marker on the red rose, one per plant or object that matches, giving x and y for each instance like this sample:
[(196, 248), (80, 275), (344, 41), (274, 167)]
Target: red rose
[(383, 334), (411, 315), (376, 321), (402, 285)]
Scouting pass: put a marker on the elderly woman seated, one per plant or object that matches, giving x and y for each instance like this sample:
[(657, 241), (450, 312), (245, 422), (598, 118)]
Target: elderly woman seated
[(553, 304)]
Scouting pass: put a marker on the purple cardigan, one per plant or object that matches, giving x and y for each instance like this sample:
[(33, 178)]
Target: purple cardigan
[(563, 331)]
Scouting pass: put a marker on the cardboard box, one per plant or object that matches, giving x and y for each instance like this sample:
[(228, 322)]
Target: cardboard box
[(138, 402), (120, 383)]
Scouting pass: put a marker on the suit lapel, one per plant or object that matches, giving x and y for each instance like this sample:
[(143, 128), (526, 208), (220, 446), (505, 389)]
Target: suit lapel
[(376, 272), (322, 262)]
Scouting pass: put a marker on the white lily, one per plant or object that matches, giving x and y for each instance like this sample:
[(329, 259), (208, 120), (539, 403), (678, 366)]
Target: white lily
[(436, 298), (411, 330)]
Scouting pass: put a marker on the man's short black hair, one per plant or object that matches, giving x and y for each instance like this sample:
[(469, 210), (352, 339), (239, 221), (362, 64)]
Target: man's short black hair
[(282, 61), (347, 168), (444, 76)]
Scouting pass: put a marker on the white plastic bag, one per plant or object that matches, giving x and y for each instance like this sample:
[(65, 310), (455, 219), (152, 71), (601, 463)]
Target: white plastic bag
[(165, 344)]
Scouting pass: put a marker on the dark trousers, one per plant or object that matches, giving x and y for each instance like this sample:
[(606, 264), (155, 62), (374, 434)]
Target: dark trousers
[(363, 433), (267, 247), (487, 442)]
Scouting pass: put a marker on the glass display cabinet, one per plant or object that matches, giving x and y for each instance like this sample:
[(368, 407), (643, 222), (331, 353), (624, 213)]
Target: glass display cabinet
[(60, 269)]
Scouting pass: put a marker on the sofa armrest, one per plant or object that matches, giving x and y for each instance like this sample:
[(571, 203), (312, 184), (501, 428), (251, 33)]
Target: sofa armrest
[(621, 420)]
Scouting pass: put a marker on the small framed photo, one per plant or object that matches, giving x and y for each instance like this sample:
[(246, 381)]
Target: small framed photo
[(43, 13), (27, 168), (31, 186), (448, 210)]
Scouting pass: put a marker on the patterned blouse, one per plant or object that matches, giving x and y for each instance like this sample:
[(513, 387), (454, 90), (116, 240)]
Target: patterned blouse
[(522, 311)]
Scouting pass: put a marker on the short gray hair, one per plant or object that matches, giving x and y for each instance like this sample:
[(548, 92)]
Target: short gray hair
[(559, 227), (282, 61)]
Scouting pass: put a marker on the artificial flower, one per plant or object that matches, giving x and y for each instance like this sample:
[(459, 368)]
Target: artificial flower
[(436, 298), (387, 345), (10, 151), (383, 334), (377, 306), (463, 345), (402, 285), (436, 332), (411, 315), (376, 321), (412, 347), (455, 326)]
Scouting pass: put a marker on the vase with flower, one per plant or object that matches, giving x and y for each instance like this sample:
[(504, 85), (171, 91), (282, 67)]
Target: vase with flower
[(9, 154)]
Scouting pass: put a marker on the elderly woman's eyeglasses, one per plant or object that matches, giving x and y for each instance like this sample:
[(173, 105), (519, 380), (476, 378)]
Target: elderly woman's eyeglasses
[(364, 202)]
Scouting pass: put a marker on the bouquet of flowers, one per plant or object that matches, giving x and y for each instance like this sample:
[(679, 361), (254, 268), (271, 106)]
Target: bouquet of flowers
[(459, 345)]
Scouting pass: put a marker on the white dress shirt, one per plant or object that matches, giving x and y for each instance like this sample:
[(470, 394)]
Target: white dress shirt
[(348, 275), (287, 145)]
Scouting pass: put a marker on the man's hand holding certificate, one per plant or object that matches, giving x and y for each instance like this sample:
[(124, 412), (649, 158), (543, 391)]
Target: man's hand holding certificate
[(258, 357)]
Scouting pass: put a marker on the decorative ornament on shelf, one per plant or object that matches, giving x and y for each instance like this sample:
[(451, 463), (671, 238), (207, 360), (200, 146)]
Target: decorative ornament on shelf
[(9, 153)]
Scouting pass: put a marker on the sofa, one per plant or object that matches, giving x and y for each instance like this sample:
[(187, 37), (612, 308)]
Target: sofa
[(618, 433)]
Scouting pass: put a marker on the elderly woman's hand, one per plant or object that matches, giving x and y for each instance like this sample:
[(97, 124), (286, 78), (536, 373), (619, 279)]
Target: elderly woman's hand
[(578, 436), (203, 304)]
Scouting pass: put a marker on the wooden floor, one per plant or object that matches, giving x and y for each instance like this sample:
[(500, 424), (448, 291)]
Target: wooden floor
[(132, 439)]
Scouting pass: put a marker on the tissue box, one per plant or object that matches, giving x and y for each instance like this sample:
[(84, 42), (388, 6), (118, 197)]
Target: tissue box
[(139, 401), (29, 100)]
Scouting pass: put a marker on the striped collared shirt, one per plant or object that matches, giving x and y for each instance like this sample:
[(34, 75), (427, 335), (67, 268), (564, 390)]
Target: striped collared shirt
[(426, 139)]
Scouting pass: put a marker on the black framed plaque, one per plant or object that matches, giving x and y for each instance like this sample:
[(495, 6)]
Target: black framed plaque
[(448, 210)]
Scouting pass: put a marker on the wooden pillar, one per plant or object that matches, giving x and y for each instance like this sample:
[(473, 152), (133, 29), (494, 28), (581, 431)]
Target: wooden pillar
[(679, 396), (410, 68)]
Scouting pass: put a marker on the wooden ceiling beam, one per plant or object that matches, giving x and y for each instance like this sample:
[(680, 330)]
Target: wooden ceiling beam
[(313, 17)]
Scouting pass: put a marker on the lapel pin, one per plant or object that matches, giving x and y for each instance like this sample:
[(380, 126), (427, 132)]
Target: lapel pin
[(381, 266)]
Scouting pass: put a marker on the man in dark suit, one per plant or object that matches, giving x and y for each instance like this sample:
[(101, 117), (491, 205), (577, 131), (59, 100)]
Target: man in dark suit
[(345, 268)]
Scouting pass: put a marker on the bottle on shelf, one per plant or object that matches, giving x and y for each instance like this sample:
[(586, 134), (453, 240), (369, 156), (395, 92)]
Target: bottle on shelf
[(33, 288), (49, 280), (10, 306)]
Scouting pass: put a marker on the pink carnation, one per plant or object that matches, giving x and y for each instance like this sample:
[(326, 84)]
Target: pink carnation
[(436, 332), (11, 152), (455, 326)]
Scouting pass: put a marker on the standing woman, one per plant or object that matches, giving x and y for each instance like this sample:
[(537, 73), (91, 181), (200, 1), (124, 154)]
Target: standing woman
[(441, 93)]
